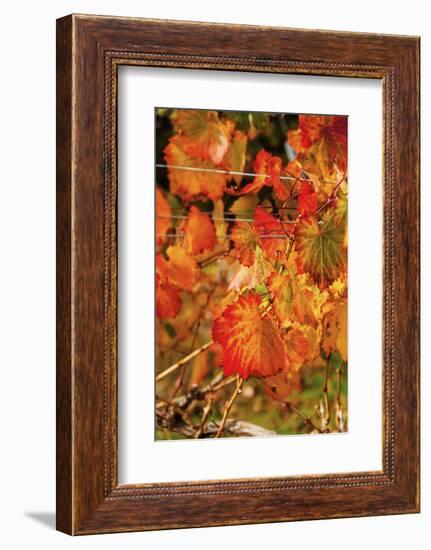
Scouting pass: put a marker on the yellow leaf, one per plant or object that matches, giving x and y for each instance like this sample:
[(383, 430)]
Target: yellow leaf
[(192, 184), (334, 336), (245, 205)]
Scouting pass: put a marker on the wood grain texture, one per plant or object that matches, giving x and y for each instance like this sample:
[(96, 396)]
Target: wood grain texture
[(90, 49), (64, 497)]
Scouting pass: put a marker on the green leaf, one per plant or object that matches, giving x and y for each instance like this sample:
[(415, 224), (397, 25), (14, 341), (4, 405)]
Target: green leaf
[(335, 361), (235, 156), (320, 247), (240, 119), (244, 206), (341, 209), (259, 120)]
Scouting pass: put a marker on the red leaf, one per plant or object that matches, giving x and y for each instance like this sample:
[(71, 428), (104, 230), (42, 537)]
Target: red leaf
[(273, 234), (307, 200), (268, 171)]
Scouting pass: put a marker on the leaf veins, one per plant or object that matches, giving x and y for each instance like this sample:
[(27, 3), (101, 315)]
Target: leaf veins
[(251, 342)]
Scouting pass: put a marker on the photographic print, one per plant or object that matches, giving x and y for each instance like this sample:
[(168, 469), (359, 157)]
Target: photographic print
[(250, 273)]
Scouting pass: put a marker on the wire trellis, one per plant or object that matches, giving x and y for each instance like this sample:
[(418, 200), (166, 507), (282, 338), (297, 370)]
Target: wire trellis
[(302, 177)]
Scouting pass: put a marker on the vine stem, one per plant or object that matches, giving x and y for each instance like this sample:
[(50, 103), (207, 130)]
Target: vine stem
[(306, 419), (204, 418), (325, 413), (239, 384), (332, 196), (183, 361), (339, 418), (180, 379)]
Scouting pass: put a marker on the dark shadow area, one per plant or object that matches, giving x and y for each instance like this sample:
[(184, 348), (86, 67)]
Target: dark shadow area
[(45, 518)]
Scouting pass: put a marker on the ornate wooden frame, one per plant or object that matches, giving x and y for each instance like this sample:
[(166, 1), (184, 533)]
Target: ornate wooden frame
[(89, 51)]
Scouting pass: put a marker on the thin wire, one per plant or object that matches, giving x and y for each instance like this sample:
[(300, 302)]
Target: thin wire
[(235, 173), (175, 235), (216, 218)]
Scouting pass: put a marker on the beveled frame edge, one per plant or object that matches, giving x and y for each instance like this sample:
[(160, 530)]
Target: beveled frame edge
[(89, 499)]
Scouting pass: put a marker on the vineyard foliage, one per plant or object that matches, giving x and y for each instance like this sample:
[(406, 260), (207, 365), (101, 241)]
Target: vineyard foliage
[(251, 273)]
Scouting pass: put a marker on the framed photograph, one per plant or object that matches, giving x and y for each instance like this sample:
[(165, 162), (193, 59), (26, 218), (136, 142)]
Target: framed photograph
[(237, 274)]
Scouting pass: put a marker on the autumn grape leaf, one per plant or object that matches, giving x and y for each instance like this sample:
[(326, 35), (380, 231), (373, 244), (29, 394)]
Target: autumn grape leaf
[(244, 206), (199, 232), (341, 208), (281, 385), (163, 216), (235, 156), (321, 144), (334, 336), (251, 277), (205, 136), (251, 342), (273, 233), (307, 200), (295, 298), (302, 344), (168, 302), (180, 269), (320, 247), (219, 221), (268, 170), (338, 289), (241, 278), (245, 239), (194, 183)]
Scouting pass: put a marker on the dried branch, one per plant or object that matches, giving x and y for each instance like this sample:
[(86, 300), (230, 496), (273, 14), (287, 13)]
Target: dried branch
[(205, 414), (339, 417), (183, 361), (196, 393), (239, 383), (306, 419), (324, 411), (332, 196), (236, 428)]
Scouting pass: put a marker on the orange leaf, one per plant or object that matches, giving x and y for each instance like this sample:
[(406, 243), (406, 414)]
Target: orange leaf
[(192, 184), (163, 216), (199, 231), (251, 343), (302, 344), (180, 270), (281, 385), (245, 239), (168, 302)]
